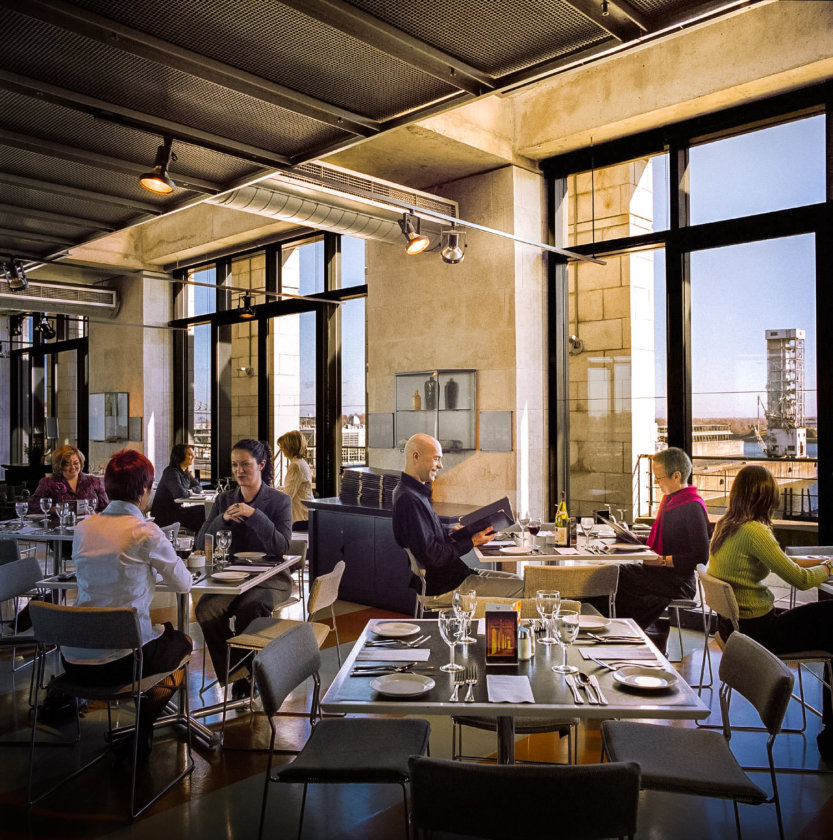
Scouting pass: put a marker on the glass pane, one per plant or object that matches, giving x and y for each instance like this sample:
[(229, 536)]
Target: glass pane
[(199, 418), (302, 270), (625, 199), (201, 299), (353, 388), (754, 368), (759, 171), (64, 407), (352, 262), (244, 377)]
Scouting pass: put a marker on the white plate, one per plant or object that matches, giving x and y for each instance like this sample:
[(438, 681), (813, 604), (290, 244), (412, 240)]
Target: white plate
[(592, 622), (402, 685), (545, 534), (230, 576), (645, 679), (393, 629), (37, 516), (250, 555), (516, 549), (623, 546)]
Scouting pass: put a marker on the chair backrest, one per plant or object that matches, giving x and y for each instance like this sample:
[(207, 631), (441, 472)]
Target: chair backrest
[(760, 676), (113, 628), (299, 547), (719, 596), (416, 570), (9, 551), (324, 589), (171, 531), (528, 608), (19, 576), (572, 581), (575, 801), (284, 664)]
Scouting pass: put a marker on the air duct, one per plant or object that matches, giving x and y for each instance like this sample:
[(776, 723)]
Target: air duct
[(60, 299)]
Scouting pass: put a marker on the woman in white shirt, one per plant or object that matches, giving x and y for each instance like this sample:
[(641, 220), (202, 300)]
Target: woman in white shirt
[(298, 480), (118, 555)]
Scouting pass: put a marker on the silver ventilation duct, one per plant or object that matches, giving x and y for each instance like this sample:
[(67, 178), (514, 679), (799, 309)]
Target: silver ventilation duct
[(60, 299)]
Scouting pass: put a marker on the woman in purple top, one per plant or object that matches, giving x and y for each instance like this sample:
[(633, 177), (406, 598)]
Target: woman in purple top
[(68, 483)]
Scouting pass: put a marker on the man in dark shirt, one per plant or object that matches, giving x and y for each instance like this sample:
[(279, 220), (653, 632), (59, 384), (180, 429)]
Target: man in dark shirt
[(416, 526)]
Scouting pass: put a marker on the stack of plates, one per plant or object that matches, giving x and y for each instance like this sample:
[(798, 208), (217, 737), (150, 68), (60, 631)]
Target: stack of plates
[(351, 483), (371, 492), (389, 482)]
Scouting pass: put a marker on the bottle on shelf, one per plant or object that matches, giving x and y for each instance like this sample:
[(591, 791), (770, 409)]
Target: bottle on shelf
[(416, 401), (562, 524)]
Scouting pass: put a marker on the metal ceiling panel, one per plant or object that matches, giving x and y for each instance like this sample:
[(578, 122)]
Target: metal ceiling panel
[(68, 206), (21, 222)]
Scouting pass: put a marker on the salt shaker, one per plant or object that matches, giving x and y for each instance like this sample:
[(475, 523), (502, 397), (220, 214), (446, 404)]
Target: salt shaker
[(526, 644)]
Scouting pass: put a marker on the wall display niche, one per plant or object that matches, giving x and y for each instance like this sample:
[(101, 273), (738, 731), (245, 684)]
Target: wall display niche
[(108, 416), (440, 403)]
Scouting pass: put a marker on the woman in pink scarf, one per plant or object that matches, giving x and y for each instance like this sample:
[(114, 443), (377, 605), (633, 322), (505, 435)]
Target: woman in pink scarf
[(680, 537)]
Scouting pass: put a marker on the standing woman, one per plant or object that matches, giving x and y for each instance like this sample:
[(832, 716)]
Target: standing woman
[(298, 482), (177, 482), (743, 552), (259, 518), (68, 483)]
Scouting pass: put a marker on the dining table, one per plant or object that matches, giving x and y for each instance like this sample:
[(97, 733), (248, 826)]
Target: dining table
[(41, 529), (356, 689)]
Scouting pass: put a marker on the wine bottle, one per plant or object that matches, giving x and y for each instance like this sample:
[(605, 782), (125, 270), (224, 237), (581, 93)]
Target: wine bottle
[(562, 524)]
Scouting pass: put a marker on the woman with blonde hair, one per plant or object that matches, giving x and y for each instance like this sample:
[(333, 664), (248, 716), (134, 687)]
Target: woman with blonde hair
[(298, 480), (68, 482), (743, 552)]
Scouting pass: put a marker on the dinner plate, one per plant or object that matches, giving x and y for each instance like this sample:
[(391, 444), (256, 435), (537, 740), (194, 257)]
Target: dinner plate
[(545, 534), (515, 549), (623, 546), (230, 577), (592, 622), (250, 555), (393, 629), (402, 685), (644, 679)]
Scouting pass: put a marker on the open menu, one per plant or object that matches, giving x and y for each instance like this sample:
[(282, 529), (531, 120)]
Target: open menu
[(622, 531), (498, 514)]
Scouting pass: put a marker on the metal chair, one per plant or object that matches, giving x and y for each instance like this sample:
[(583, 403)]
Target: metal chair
[(575, 582), (171, 531), (339, 751), (18, 578), (698, 761), (432, 603), (90, 627), (300, 547), (582, 801)]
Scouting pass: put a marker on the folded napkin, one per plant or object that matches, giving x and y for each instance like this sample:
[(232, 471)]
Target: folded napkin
[(252, 569), (509, 689), (617, 652), (497, 543), (385, 654), (567, 551)]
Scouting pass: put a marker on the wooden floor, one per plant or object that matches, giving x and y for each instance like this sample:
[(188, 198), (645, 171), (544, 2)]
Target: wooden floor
[(222, 797)]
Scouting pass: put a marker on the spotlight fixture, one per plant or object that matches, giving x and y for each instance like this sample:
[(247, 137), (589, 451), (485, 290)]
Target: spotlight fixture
[(246, 310), (159, 181), (454, 240), (417, 243), (605, 9), (15, 324), (46, 329), (576, 345), (15, 276)]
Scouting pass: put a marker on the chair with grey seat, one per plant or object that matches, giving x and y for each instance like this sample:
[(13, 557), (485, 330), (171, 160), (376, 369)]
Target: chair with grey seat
[(18, 578), (507, 801), (338, 751), (424, 602), (700, 761), (577, 582)]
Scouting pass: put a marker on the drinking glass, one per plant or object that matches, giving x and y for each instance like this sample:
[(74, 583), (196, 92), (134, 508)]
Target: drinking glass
[(465, 602), (223, 543), (534, 527), (184, 546), (523, 521), (63, 512), (548, 603), (566, 629), (587, 523), (45, 506), (451, 629), (92, 503), (20, 509)]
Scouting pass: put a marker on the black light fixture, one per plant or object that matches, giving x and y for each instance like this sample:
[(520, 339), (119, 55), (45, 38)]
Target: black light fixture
[(417, 243), (15, 323), (46, 329), (159, 181), (15, 276), (605, 9), (453, 243), (245, 308)]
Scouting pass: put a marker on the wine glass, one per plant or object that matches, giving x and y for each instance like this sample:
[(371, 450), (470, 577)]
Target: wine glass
[(45, 506), (523, 521), (451, 629), (566, 629), (20, 509), (184, 546), (63, 512), (223, 543), (548, 603), (92, 503), (587, 523), (534, 526), (465, 602)]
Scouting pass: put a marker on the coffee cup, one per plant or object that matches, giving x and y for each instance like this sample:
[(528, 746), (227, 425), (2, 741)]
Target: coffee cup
[(196, 561)]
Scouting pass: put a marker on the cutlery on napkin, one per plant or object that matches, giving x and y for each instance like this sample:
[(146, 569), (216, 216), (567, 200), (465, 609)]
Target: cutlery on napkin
[(509, 689), (385, 654), (615, 652)]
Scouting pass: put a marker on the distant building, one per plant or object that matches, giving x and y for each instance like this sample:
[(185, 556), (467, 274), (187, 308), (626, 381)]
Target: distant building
[(786, 435)]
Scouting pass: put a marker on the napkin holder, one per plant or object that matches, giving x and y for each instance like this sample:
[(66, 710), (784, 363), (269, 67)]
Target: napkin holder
[(501, 635)]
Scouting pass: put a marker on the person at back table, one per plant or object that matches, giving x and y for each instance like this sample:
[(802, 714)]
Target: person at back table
[(297, 483), (416, 526), (177, 482)]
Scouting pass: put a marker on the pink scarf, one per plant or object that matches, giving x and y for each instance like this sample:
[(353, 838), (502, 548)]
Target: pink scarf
[(684, 496)]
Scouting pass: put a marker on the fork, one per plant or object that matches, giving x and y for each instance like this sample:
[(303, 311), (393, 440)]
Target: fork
[(471, 680), (384, 642), (459, 679)]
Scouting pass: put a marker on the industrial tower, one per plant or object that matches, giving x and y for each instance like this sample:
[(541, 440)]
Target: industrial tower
[(786, 435)]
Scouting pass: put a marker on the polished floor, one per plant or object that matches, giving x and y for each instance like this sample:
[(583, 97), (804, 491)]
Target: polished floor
[(222, 797)]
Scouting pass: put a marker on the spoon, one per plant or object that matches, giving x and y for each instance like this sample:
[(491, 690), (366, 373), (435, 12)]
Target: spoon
[(586, 683)]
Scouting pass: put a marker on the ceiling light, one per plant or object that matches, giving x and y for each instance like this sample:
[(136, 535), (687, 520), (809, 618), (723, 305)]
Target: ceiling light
[(245, 309), (15, 323), (605, 9), (159, 181), (454, 241), (417, 243), (15, 276), (47, 331)]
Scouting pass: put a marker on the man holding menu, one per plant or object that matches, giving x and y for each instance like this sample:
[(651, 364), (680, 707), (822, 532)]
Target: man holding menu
[(416, 526)]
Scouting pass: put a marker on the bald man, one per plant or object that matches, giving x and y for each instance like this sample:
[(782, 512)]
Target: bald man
[(416, 526)]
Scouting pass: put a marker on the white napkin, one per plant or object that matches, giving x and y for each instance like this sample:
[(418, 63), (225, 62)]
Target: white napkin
[(617, 652), (509, 689), (254, 569), (385, 654), (497, 543), (567, 551)]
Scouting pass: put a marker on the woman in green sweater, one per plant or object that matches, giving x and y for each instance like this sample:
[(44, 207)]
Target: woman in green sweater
[(743, 552)]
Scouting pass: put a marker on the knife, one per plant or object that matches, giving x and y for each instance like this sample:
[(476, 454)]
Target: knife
[(599, 694), (568, 678)]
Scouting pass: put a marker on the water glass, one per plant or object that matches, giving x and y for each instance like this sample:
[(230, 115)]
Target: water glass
[(92, 503), (465, 603), (548, 603), (223, 543), (20, 509), (45, 506), (523, 521), (566, 630), (451, 629), (63, 513), (587, 524)]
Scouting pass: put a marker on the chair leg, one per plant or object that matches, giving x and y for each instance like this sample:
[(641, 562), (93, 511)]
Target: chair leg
[(737, 819), (335, 630), (303, 806), (407, 821), (267, 781)]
